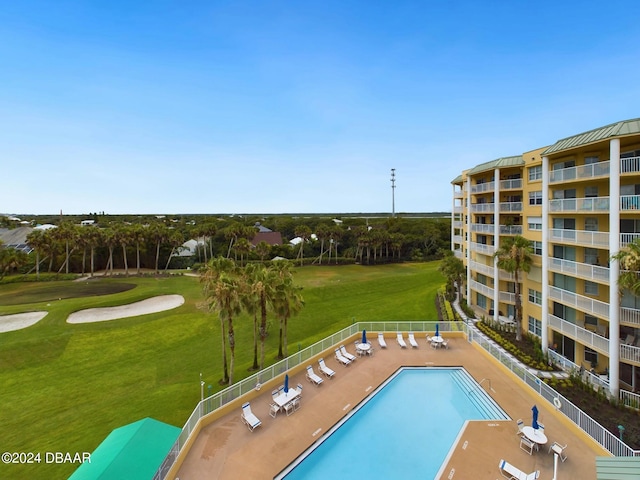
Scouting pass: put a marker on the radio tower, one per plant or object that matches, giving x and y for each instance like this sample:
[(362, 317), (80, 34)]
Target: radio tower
[(393, 192)]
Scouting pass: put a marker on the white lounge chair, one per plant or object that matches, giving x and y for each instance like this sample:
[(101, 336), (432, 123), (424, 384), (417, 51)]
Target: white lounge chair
[(559, 449), (341, 358), (324, 369), (346, 354), (412, 340), (249, 418), (401, 341), (513, 473), (313, 377), (381, 341)]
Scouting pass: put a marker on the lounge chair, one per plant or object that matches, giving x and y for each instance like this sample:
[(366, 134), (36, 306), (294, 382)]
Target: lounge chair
[(520, 426), (412, 340), (559, 449), (313, 377), (249, 418), (347, 354), (527, 445), (513, 473), (324, 369), (341, 358), (401, 341), (381, 341)]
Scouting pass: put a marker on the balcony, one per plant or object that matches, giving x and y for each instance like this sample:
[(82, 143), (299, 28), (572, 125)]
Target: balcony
[(582, 172), (593, 273), (630, 354), (630, 317), (629, 203), (507, 297), (510, 229), (458, 194), (581, 238), (458, 254), (457, 209), (481, 268), (457, 224), (511, 206), (482, 207), (482, 248), (630, 165), (483, 289), (513, 184), (457, 239), (580, 302), (580, 205), (483, 187), (582, 335), (482, 228)]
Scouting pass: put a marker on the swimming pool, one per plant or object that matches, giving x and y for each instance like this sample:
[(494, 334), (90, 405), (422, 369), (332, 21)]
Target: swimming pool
[(405, 429)]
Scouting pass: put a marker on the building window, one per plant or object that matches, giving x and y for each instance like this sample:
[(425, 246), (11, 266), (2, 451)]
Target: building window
[(535, 173), (590, 288), (482, 301), (591, 256), (590, 320), (535, 326), (591, 356), (590, 192), (537, 247), (591, 224), (591, 159), (535, 297), (534, 223), (535, 198)]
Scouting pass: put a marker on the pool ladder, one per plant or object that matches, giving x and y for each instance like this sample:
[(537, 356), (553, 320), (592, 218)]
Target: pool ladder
[(480, 384)]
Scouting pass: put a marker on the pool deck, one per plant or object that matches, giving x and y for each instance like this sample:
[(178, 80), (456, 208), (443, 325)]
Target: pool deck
[(226, 449)]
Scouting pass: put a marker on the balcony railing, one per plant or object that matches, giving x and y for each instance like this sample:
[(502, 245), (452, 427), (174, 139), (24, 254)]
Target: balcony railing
[(582, 303), (457, 224), (630, 316), (512, 184), (630, 165), (482, 207), (582, 238), (481, 268), (585, 271), (510, 229), (483, 187), (482, 227), (584, 336), (579, 205), (457, 239), (483, 289), (511, 206), (581, 172), (482, 248), (630, 353), (458, 194), (457, 209), (629, 202), (507, 297), (458, 254)]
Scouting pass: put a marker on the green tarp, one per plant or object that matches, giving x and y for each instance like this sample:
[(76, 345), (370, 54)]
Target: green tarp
[(134, 452)]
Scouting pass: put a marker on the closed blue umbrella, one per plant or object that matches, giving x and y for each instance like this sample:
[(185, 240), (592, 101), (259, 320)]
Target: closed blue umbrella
[(534, 423), (364, 336), (437, 330), (286, 383)]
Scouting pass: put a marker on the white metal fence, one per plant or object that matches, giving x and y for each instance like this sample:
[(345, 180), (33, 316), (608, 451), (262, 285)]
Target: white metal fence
[(212, 403)]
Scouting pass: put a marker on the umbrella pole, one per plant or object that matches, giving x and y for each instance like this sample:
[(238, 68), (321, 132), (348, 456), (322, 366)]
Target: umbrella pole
[(555, 466)]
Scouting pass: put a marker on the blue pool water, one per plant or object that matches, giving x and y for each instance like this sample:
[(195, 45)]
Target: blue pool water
[(405, 430)]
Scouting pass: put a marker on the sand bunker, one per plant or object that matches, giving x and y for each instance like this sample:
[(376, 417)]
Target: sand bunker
[(17, 321), (143, 307)]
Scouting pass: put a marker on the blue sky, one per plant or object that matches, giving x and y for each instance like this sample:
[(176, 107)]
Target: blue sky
[(283, 107)]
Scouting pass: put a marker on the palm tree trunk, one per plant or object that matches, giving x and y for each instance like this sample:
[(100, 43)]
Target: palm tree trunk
[(225, 371), (518, 309), (232, 349), (124, 256), (255, 342)]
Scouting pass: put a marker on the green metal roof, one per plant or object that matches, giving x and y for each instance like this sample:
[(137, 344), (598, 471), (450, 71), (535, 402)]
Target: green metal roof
[(458, 179), (626, 127), (499, 163), (617, 468), (134, 451)]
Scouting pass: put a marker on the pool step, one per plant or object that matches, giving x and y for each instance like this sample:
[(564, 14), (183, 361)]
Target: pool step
[(476, 394)]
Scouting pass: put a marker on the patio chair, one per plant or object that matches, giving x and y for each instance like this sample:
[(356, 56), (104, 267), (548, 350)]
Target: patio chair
[(313, 377), (381, 341), (341, 358), (512, 473), (273, 409), (527, 445), (249, 418), (520, 424), (326, 371), (346, 354), (445, 344), (559, 449), (275, 393), (412, 340), (300, 389), (289, 408), (400, 340)]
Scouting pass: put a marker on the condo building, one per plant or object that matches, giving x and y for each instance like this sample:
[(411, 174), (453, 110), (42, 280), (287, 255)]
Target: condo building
[(578, 202)]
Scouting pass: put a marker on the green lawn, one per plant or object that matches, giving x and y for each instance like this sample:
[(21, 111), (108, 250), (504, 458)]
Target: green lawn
[(65, 387)]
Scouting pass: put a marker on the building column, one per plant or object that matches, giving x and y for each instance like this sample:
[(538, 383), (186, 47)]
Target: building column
[(468, 230), (496, 241), (545, 255), (614, 267)]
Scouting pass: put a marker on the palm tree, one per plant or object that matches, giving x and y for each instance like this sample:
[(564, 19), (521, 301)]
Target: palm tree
[(243, 247), (257, 295), (158, 234), (11, 259), (36, 240), (66, 233), (175, 240), (514, 256), (111, 240), (263, 249), (629, 260), (454, 270), (123, 237), (138, 235), (94, 237), (287, 301), (304, 233), (220, 288)]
